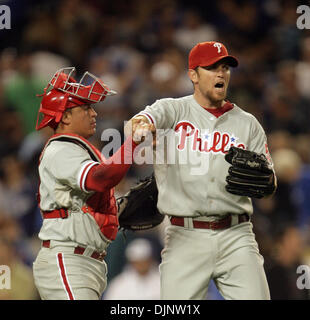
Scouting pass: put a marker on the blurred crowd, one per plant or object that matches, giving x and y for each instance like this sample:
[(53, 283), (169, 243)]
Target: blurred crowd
[(140, 49)]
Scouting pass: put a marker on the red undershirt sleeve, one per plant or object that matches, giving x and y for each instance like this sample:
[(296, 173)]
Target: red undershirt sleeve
[(109, 173)]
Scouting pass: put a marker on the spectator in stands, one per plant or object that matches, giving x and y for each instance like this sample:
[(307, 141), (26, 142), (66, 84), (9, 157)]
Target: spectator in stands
[(140, 278)]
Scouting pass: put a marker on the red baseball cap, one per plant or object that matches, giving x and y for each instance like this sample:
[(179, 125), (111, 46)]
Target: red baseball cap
[(205, 54)]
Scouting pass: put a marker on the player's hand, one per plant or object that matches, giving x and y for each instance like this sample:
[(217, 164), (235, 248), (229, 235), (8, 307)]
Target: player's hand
[(142, 131)]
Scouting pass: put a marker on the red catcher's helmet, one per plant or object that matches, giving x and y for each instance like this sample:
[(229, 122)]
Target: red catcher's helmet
[(63, 92)]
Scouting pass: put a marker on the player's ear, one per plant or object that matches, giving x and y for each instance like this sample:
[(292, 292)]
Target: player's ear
[(66, 117), (193, 75)]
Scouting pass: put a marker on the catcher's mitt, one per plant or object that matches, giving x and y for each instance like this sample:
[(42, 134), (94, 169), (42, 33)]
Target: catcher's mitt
[(250, 175), (137, 209)]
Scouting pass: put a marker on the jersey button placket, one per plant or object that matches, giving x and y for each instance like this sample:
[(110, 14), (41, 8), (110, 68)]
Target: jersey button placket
[(211, 158)]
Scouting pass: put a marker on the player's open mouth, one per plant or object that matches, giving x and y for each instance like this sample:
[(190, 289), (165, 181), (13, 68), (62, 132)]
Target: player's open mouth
[(219, 85)]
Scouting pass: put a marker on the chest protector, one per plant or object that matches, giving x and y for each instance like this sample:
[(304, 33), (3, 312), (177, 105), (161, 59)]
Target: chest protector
[(100, 205)]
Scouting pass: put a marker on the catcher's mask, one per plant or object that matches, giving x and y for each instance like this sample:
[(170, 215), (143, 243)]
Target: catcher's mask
[(64, 92)]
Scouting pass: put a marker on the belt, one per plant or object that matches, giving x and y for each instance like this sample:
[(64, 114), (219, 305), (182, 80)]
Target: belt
[(79, 250), (57, 213), (214, 225)]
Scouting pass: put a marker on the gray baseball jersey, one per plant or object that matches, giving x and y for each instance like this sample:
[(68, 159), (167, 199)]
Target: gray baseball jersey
[(63, 169), (200, 142), (70, 263)]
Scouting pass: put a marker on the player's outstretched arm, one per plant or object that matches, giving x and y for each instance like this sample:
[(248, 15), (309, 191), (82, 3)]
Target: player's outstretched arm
[(109, 173)]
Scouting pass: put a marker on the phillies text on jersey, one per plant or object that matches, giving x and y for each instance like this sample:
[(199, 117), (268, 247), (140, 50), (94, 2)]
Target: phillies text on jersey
[(184, 191)]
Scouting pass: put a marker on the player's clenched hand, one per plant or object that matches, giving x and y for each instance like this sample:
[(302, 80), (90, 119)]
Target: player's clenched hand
[(142, 131)]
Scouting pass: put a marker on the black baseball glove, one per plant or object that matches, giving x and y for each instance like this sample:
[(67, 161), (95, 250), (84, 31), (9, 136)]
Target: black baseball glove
[(250, 174), (138, 208)]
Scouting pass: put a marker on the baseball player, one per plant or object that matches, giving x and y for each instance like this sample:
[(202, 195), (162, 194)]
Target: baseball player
[(76, 194), (210, 234)]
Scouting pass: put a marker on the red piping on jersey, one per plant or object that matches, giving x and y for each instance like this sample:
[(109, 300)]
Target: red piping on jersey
[(148, 116), (85, 171), (82, 176), (220, 111)]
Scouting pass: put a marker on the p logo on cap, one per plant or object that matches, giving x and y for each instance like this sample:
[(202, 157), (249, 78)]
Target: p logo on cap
[(218, 45), (205, 54)]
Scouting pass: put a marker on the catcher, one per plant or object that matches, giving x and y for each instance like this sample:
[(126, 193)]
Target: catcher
[(210, 234), (76, 193)]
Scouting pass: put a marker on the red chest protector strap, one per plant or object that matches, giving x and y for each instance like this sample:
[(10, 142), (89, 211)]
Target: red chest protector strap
[(74, 138)]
